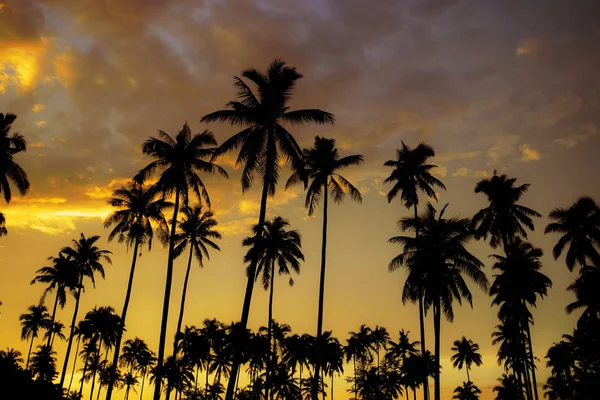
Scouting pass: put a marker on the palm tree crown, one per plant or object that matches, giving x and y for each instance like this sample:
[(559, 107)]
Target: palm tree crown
[(9, 169), (465, 354), (196, 229)]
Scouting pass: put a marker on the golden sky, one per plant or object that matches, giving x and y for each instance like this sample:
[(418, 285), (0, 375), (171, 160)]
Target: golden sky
[(511, 86)]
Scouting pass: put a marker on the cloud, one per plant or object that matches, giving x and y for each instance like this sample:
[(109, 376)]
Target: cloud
[(97, 193), (528, 154), (505, 146), (465, 172), (36, 145), (39, 124), (248, 207), (441, 171), (573, 139), (38, 108)]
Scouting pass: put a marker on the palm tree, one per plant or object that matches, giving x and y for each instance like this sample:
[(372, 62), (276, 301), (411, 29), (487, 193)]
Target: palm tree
[(10, 170), (3, 230), (54, 329), (465, 354), (137, 209), (11, 358), (585, 288), (379, 337), (280, 246), (87, 259), (411, 175), (61, 277), (400, 351), (83, 331), (467, 391), (262, 143), (36, 319), (580, 228), (180, 159), (43, 363), (195, 349), (285, 386), (196, 229), (145, 362), (508, 388), (358, 348), (321, 166), (332, 353), (130, 381), (502, 220), (436, 275)]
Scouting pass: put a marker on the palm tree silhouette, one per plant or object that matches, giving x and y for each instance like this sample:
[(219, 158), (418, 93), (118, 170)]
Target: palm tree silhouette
[(43, 363), (502, 220), (11, 358), (333, 356), (379, 337), (196, 229), (195, 349), (87, 259), (146, 360), (3, 230), (468, 391), (60, 277), (580, 228), (520, 283), (437, 273), (130, 381), (10, 171), (465, 354), (585, 288), (262, 143), (321, 165), (563, 364), (400, 351), (137, 209), (512, 351), (32, 322), (411, 175), (296, 353), (180, 159), (54, 329), (358, 348), (508, 388)]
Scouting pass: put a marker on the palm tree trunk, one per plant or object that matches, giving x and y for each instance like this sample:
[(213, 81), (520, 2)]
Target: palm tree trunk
[(74, 363), (421, 311), (468, 377), (85, 364), (532, 361), (183, 294), (196, 378), (29, 352), (73, 321), (437, 325), (127, 393), (143, 381), (415, 393), (50, 341), (270, 335), (235, 365), (355, 387), (315, 388), (113, 367), (332, 385), (527, 380), (96, 370), (165, 312)]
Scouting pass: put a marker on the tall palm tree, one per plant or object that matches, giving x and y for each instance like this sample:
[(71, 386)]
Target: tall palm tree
[(43, 363), (263, 141), (519, 284), (138, 207), (10, 171), (196, 229), (465, 354), (179, 160), (580, 228), (32, 322), (321, 166), (276, 246), (468, 391), (87, 258), (436, 262), (412, 174), (60, 277), (503, 219)]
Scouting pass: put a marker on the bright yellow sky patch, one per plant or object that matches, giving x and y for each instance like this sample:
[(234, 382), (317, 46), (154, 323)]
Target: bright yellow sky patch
[(38, 108), (529, 154)]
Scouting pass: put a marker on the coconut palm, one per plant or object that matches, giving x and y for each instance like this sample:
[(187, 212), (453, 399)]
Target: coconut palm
[(436, 261), (54, 329), (11, 358), (3, 230), (43, 363), (196, 229), (130, 381), (138, 208), (263, 142), (585, 288), (358, 349), (145, 362), (508, 388), (468, 391), (503, 219), (179, 160), (60, 277), (398, 352), (32, 322), (285, 386), (465, 354), (379, 337), (195, 349), (580, 228), (87, 258), (412, 174), (332, 353), (10, 171), (320, 172)]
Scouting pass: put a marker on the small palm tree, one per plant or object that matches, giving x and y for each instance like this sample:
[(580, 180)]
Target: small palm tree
[(467, 391), (321, 166), (10, 171), (263, 141), (43, 363), (138, 208), (145, 362), (130, 381), (11, 358), (32, 322), (400, 351), (179, 159), (508, 388), (379, 337), (332, 353), (465, 354), (54, 329), (196, 229), (580, 228)]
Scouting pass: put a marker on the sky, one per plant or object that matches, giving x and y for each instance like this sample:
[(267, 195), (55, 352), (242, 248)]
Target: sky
[(508, 85)]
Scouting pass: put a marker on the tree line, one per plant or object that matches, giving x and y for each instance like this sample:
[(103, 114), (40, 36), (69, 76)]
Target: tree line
[(433, 254)]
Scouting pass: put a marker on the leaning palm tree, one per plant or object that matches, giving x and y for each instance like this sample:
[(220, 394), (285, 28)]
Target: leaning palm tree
[(60, 277), (10, 171), (87, 258), (465, 354), (321, 167), (580, 228), (196, 229), (138, 208), (412, 174), (436, 262), (179, 160), (262, 143), (32, 322)]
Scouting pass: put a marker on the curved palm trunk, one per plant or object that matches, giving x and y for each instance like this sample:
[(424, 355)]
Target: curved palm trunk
[(532, 360), (437, 325), (421, 312), (183, 294), (73, 321), (52, 319), (165, 312), (235, 366), (270, 335), (315, 388), (29, 352), (113, 367), (74, 363)]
